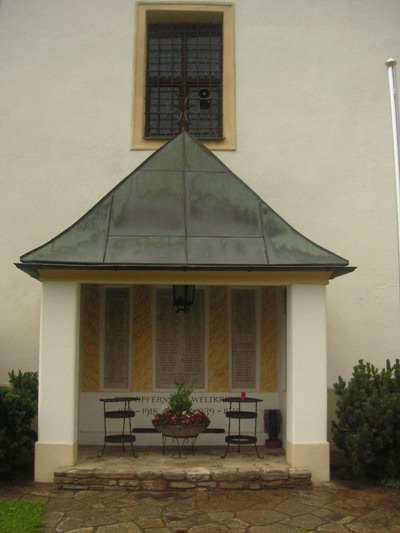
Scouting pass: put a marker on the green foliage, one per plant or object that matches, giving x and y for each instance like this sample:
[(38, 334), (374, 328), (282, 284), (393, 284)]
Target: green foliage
[(180, 400), (21, 516), (18, 406), (368, 427), (25, 381), (391, 483)]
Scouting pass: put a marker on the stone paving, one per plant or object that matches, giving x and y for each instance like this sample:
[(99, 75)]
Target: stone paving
[(238, 505), (333, 507)]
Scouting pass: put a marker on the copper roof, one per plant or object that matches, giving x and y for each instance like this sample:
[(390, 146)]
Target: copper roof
[(182, 208)]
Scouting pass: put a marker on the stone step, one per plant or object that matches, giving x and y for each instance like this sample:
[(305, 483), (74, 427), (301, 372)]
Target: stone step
[(206, 470), (196, 478)]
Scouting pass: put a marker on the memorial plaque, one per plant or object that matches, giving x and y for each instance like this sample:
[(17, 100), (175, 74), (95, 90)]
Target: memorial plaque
[(179, 342), (116, 339), (243, 327)]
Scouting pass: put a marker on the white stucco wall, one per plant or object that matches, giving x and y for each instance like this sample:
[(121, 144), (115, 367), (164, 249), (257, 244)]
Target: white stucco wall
[(313, 139)]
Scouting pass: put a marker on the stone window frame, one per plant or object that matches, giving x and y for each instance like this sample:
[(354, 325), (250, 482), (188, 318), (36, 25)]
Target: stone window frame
[(183, 12)]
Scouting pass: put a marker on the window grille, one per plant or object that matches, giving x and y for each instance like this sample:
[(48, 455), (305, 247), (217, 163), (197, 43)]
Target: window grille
[(184, 80)]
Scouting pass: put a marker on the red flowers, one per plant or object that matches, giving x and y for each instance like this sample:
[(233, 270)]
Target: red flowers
[(184, 418), (179, 410)]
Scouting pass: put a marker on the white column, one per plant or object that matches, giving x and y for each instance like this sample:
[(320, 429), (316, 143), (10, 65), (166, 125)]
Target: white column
[(58, 379), (307, 445)]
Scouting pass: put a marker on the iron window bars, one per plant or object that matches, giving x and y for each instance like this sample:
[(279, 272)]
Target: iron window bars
[(184, 80)]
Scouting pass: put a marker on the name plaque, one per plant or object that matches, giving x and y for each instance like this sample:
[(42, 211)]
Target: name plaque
[(243, 339), (179, 342), (116, 339)]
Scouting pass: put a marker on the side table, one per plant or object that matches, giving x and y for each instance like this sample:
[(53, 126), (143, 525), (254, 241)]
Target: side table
[(125, 413), (246, 410)]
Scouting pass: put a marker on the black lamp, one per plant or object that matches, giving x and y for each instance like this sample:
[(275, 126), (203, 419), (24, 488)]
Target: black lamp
[(183, 297)]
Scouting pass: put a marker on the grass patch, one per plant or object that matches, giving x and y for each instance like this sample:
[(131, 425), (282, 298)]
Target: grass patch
[(21, 516)]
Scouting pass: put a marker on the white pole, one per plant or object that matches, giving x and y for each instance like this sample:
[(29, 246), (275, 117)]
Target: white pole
[(391, 65)]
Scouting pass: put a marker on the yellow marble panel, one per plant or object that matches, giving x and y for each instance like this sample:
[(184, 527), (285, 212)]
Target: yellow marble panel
[(142, 358), (269, 363), (90, 338), (218, 349)]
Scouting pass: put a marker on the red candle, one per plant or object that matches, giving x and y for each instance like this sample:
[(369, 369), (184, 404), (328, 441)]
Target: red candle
[(243, 396)]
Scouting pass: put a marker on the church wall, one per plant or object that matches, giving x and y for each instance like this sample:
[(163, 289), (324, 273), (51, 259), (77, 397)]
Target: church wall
[(313, 139)]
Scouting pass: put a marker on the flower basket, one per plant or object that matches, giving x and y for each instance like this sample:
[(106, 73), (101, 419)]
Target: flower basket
[(180, 430), (178, 419)]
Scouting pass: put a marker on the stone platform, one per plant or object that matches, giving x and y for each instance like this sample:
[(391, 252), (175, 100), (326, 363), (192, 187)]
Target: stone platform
[(205, 470)]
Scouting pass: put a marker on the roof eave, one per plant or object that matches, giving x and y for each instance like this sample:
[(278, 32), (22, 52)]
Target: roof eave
[(34, 269)]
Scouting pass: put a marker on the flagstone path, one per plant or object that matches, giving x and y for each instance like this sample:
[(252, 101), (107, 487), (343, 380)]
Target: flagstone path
[(333, 507)]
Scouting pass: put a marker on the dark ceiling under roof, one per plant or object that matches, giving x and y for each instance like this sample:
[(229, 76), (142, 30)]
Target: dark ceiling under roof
[(182, 209)]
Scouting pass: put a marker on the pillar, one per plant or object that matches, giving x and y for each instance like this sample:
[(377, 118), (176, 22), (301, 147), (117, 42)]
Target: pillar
[(58, 379), (307, 445)]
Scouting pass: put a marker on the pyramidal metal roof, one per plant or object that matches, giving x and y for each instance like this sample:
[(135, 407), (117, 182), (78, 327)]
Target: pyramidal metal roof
[(182, 209)]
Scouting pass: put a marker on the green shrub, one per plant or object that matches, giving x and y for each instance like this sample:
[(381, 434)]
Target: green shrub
[(18, 406), (25, 381), (391, 483), (368, 426)]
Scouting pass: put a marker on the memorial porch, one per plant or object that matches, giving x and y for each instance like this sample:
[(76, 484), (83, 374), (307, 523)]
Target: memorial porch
[(182, 218)]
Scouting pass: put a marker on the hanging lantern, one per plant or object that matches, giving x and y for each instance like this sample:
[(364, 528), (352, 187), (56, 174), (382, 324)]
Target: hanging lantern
[(183, 297)]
